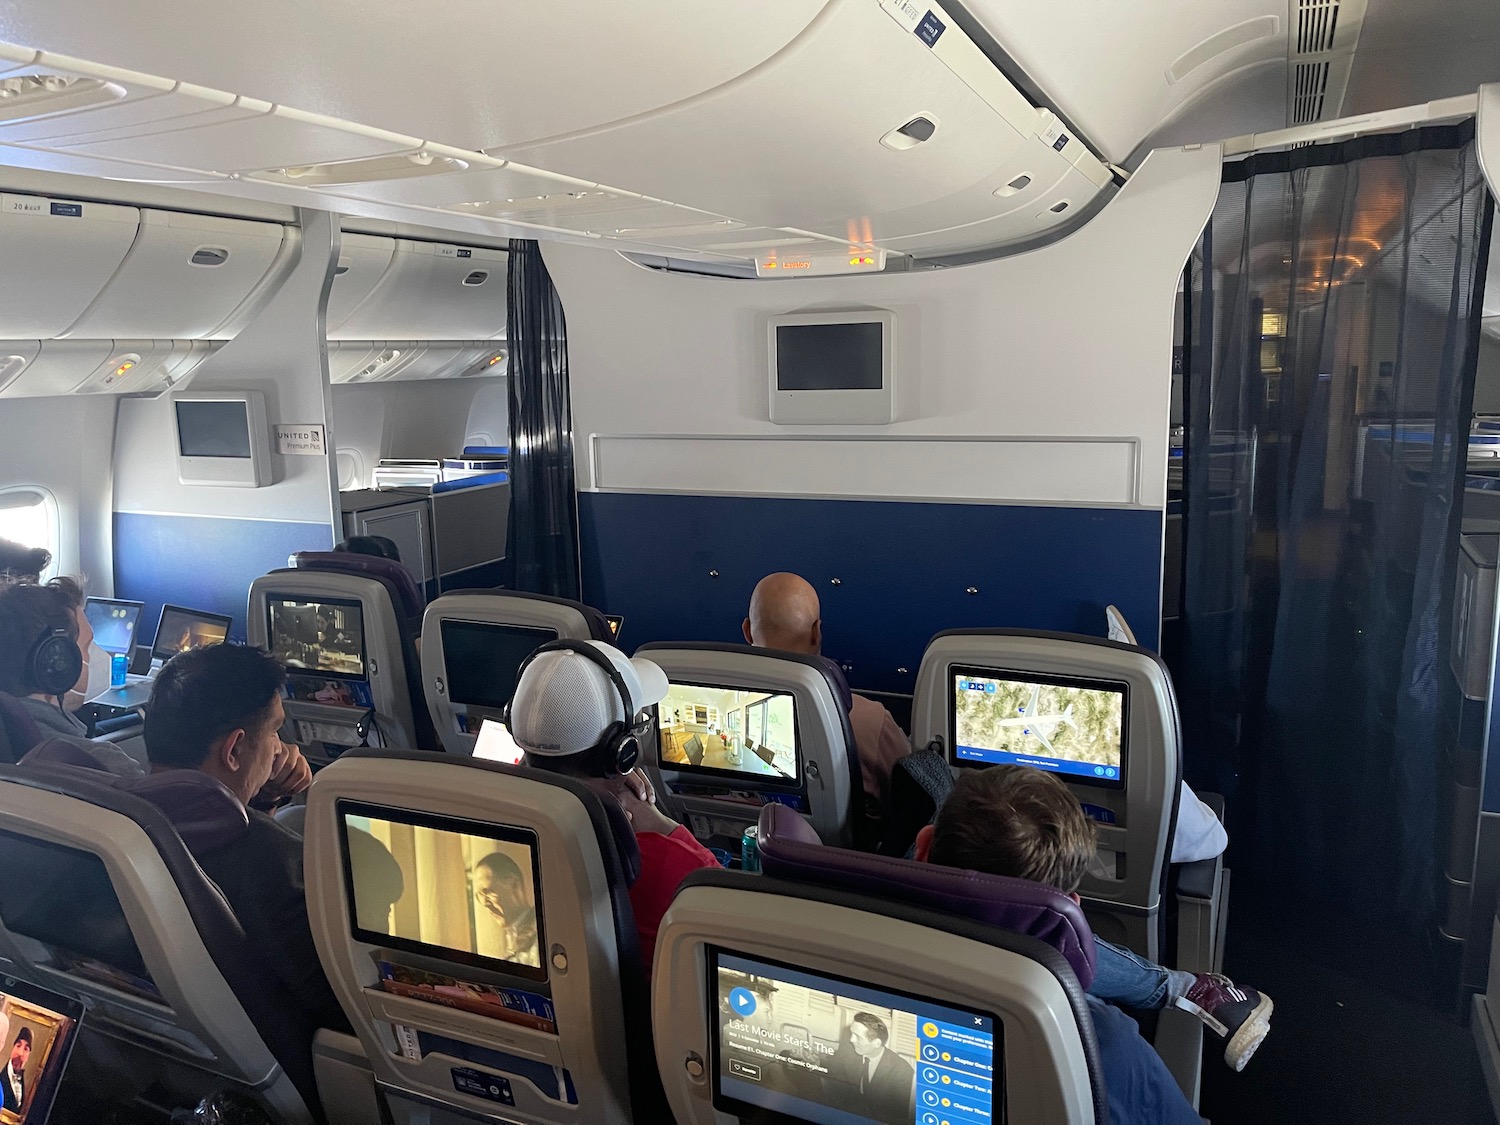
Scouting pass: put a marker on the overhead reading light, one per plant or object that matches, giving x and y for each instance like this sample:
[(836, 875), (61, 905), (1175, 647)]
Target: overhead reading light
[(920, 128), (368, 171), (31, 95), (371, 369)]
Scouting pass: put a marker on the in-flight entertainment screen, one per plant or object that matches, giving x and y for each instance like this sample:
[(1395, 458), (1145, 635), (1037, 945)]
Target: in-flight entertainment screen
[(833, 1051), (179, 630), (37, 1031), (481, 659), (1066, 726), (751, 734), (454, 889), (325, 636)]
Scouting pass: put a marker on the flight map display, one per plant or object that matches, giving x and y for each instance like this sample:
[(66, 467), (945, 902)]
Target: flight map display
[(836, 1052), (1069, 727)]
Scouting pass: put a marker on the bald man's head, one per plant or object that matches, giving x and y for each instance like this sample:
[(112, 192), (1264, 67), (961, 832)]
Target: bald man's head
[(784, 614)]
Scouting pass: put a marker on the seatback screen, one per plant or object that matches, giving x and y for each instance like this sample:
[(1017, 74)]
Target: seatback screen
[(750, 734), (213, 429), (481, 659), (453, 889), (37, 1030), (113, 622), (181, 629), (831, 1051), (1067, 726), (323, 636)]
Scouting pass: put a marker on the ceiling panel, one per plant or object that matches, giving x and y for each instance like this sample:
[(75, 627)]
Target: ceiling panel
[(468, 73)]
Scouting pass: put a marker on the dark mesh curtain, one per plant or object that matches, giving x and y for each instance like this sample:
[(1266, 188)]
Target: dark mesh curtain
[(542, 545), (1332, 310)]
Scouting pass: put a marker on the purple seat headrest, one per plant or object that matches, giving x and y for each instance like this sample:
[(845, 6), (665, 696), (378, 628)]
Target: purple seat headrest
[(19, 733), (205, 814), (791, 850), (409, 602)]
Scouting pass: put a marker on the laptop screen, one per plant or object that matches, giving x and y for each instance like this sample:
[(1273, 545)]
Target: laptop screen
[(114, 623), (39, 1027)]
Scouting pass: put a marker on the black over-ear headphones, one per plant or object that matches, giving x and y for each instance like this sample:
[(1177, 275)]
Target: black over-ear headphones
[(619, 747), (54, 662)]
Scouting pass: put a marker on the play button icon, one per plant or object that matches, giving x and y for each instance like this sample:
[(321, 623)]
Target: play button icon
[(742, 1000)]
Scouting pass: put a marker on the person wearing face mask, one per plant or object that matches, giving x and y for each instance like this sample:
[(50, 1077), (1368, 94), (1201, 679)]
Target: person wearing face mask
[(29, 617)]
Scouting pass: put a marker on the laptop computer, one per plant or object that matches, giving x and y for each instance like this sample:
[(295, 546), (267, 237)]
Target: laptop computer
[(39, 1029), (177, 630), (114, 621)]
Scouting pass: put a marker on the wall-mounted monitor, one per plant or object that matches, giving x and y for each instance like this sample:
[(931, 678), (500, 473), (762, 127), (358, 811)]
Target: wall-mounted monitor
[(1072, 727), (833, 368), (222, 438)]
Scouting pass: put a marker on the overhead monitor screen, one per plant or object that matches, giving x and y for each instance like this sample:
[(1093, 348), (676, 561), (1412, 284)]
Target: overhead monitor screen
[(213, 429), (113, 622), (481, 659), (1071, 727), (452, 889), (829, 357), (37, 1031), (181, 629), (325, 636), (751, 734), (822, 1049)]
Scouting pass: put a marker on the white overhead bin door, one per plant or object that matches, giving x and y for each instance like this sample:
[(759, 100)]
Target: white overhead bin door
[(56, 255), (184, 278), (363, 260), (432, 291), (61, 367)]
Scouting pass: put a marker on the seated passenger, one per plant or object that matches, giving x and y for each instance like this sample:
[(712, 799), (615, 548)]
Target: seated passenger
[(1025, 824), (22, 564), (564, 704), (28, 615), (218, 710), (377, 545), (785, 615)]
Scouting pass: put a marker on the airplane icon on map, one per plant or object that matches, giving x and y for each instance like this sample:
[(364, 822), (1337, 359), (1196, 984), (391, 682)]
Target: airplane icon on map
[(1037, 726)]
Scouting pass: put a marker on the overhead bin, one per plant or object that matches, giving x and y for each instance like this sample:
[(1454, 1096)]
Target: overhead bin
[(883, 120), (402, 360), (427, 291), (121, 367), (184, 278), (363, 260), (56, 256)]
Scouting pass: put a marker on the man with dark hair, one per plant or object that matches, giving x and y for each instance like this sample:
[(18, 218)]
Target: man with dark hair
[(1023, 823), (500, 888), (218, 710), (30, 613), (883, 1085), (13, 1078), (19, 563)]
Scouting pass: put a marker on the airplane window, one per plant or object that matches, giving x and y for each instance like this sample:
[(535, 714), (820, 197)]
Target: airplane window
[(28, 516)]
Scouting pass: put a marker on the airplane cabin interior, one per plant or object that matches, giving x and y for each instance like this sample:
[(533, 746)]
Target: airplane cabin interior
[(673, 463)]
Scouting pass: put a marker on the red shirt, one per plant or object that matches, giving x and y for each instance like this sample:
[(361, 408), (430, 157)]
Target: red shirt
[(665, 862)]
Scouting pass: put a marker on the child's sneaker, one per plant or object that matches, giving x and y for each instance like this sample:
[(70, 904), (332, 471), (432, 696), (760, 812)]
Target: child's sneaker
[(1242, 1016)]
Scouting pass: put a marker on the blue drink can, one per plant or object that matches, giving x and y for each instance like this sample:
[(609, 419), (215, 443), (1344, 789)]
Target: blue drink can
[(750, 850), (119, 664)]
